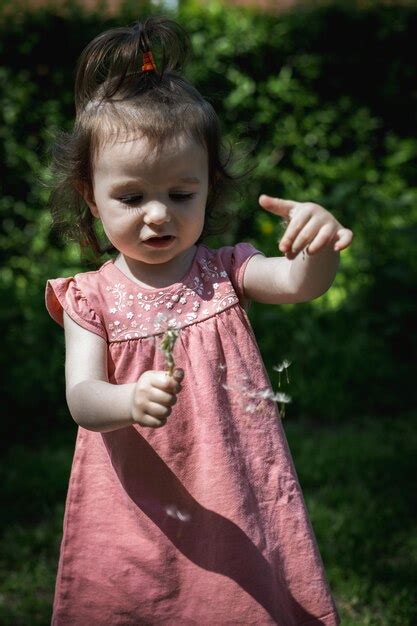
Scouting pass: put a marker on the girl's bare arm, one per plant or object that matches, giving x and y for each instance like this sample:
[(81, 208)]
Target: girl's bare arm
[(94, 403), (278, 280)]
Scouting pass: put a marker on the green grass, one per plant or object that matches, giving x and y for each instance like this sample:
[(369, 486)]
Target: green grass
[(358, 483)]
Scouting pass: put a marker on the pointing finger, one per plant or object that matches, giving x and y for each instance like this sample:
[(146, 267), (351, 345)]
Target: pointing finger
[(278, 206)]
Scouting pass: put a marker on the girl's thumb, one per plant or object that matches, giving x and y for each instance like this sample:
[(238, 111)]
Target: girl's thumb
[(179, 374)]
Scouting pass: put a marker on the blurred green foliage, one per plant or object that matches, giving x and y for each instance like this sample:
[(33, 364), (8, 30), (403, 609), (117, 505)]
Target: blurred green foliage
[(322, 103)]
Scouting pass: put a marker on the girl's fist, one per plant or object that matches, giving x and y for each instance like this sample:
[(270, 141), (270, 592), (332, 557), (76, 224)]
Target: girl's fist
[(154, 395)]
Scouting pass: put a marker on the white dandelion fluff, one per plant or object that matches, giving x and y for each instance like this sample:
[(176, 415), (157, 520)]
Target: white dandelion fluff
[(282, 367), (174, 512)]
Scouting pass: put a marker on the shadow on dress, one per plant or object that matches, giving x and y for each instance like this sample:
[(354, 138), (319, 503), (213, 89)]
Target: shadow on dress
[(206, 538)]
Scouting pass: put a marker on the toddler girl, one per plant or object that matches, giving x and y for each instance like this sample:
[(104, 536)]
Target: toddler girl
[(180, 509)]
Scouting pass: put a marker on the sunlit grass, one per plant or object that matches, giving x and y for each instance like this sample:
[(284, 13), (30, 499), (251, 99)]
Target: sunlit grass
[(358, 483)]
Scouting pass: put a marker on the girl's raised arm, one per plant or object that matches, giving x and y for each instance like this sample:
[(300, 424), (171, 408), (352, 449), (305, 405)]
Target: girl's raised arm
[(277, 280), (296, 277)]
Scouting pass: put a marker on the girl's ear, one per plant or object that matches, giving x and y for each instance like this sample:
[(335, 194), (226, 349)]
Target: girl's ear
[(86, 192)]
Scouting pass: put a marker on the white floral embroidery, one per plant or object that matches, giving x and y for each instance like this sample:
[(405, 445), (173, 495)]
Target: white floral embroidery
[(198, 286), (209, 269), (118, 290), (202, 296)]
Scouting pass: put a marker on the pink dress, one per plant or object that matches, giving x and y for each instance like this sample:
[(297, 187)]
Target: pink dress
[(200, 522)]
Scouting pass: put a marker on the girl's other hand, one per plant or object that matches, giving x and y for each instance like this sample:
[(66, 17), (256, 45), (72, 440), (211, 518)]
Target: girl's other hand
[(154, 395), (309, 225)]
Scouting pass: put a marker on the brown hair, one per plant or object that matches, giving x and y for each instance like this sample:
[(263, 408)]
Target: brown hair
[(113, 97)]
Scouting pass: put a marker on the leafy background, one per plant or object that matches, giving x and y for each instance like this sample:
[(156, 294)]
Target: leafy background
[(321, 102)]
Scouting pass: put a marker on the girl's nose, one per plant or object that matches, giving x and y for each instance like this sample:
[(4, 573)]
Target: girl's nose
[(156, 213)]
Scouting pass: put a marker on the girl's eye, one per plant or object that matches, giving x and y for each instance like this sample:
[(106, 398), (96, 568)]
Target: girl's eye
[(131, 199), (180, 197), (177, 197)]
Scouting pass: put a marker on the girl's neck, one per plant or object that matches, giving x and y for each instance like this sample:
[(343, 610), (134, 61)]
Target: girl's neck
[(156, 276)]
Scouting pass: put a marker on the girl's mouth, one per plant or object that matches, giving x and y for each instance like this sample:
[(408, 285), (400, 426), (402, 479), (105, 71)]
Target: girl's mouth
[(159, 242)]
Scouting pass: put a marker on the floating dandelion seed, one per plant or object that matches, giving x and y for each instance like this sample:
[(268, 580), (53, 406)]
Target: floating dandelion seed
[(221, 367), (282, 397), (174, 512), (251, 399), (279, 368), (182, 516)]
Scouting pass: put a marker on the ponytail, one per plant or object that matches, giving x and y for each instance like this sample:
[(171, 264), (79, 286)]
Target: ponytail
[(111, 65)]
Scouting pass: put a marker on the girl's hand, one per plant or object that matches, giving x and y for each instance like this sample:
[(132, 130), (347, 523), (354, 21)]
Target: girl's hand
[(154, 395), (309, 225)]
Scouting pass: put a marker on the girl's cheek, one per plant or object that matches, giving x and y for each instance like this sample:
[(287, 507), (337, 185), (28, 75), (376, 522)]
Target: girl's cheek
[(125, 226), (116, 225)]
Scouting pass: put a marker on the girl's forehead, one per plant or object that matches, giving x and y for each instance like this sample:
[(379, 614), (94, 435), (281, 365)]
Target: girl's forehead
[(139, 150)]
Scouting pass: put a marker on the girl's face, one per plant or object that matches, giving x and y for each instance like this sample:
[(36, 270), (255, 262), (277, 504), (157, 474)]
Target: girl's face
[(139, 195)]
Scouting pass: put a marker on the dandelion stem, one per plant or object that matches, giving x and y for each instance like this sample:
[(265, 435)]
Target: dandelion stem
[(167, 346)]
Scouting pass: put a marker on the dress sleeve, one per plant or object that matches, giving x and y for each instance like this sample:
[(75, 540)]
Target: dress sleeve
[(235, 264), (63, 294)]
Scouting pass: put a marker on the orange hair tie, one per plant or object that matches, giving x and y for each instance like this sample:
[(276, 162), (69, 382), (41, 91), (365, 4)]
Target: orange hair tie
[(148, 63)]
